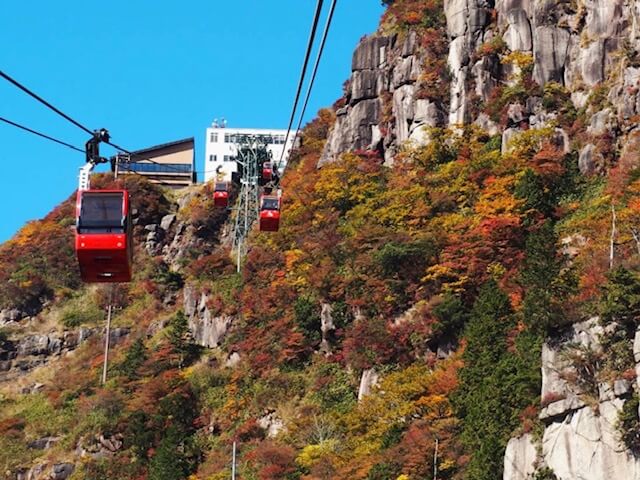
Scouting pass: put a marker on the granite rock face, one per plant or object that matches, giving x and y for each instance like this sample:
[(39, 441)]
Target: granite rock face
[(385, 74), (576, 44), (580, 438), (24, 353), (207, 330)]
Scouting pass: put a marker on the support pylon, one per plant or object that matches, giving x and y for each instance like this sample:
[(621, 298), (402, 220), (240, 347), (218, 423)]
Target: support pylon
[(252, 153)]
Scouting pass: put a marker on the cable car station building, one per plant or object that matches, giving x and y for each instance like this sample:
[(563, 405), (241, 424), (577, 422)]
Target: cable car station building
[(220, 148), (170, 164)]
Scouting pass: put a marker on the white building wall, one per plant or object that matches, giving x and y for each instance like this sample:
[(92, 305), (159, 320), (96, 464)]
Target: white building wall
[(219, 153)]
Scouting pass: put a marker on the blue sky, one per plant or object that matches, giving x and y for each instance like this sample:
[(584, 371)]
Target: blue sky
[(152, 72)]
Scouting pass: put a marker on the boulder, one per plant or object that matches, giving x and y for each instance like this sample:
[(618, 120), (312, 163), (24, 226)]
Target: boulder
[(232, 360), (507, 136), (167, 221), (486, 124), (587, 159), (10, 315), (209, 331), (43, 443), (62, 471), (272, 424), (516, 113), (601, 122), (33, 345), (33, 473)]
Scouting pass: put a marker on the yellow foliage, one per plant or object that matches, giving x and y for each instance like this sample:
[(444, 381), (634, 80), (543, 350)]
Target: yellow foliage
[(447, 464), (224, 475), (449, 279), (496, 270), (23, 237), (343, 184), (497, 198), (524, 145), (400, 395), (312, 453), (403, 477), (518, 58), (291, 257)]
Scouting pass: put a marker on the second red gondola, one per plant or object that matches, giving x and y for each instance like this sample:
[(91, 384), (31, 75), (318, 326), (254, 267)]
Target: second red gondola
[(221, 194), (269, 213), (267, 172)]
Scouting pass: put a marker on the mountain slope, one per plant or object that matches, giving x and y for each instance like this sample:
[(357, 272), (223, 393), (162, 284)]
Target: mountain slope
[(460, 270)]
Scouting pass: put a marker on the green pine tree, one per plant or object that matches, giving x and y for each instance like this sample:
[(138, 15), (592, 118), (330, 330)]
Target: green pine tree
[(181, 340), (496, 383)]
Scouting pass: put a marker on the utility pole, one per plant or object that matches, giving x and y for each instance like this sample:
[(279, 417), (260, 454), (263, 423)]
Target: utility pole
[(233, 463), (106, 345), (107, 336), (435, 462)]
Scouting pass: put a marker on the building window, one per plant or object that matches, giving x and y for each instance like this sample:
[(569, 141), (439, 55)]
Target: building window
[(229, 158), (229, 138), (213, 158), (213, 138)]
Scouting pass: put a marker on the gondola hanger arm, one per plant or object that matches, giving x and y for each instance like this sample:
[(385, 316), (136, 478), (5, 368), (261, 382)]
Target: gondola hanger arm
[(92, 151)]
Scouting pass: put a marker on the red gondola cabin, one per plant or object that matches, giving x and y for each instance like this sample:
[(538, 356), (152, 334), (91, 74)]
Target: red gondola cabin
[(221, 194), (103, 235), (269, 213), (267, 171)]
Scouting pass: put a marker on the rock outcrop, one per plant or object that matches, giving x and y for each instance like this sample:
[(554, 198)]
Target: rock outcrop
[(26, 352), (580, 438), (207, 330), (384, 79)]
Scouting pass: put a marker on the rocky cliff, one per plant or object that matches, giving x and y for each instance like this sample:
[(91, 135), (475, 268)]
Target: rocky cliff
[(576, 45), (571, 66)]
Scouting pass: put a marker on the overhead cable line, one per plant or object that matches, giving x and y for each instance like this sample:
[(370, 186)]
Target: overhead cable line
[(312, 35), (44, 102), (40, 134), (315, 70), (66, 117)]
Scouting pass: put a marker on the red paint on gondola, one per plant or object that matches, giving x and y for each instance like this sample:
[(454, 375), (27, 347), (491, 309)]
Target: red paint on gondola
[(269, 213), (103, 235), (221, 194), (267, 171)]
